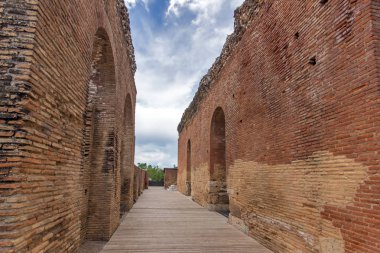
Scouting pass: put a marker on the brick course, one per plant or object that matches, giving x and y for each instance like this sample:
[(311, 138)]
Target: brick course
[(66, 122), (298, 83), (170, 177)]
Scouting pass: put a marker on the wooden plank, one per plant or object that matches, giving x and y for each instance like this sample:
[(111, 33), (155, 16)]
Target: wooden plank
[(166, 222)]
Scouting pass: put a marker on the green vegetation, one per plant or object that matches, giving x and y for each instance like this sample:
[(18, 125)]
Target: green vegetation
[(155, 173)]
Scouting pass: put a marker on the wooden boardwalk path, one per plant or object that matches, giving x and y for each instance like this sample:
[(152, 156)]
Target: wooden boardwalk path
[(169, 222)]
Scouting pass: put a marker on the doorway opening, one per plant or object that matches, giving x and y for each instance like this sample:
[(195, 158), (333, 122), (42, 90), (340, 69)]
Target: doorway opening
[(99, 148), (218, 199), (188, 169)]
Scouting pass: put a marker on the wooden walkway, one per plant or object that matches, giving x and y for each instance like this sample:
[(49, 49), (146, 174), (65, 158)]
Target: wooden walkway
[(166, 222)]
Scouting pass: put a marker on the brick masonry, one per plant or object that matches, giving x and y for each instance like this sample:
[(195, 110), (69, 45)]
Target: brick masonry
[(170, 177), (139, 182), (298, 151), (66, 122)]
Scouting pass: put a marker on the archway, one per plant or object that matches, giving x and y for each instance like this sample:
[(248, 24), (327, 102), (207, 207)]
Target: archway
[(218, 198), (127, 153), (188, 169), (99, 150)]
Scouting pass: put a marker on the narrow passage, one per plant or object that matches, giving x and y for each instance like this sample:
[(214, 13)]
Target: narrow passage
[(163, 221)]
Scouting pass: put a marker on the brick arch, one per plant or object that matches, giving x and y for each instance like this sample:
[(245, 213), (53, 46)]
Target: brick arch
[(218, 198), (188, 168), (127, 157), (218, 146), (99, 150)]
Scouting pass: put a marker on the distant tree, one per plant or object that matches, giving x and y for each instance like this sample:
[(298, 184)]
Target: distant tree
[(142, 166), (155, 173)]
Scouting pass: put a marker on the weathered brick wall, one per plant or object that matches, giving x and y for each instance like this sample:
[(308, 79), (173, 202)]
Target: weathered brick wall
[(67, 122), (146, 180), (139, 183), (136, 184), (142, 181), (298, 83), (170, 177)]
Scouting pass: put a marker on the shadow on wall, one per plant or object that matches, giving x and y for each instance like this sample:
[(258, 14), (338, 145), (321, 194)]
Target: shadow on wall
[(217, 188), (110, 180), (99, 145)]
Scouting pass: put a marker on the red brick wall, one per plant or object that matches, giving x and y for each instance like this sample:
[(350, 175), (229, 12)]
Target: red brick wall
[(67, 71), (302, 143), (146, 180), (170, 177), (142, 181), (139, 182)]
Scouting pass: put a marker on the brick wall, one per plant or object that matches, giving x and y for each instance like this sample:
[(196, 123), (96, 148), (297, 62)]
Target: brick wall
[(298, 84), (146, 180), (66, 122), (136, 184), (170, 177), (142, 181), (139, 182)]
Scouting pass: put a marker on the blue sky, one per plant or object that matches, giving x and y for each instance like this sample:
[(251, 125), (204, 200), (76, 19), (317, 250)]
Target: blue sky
[(176, 42)]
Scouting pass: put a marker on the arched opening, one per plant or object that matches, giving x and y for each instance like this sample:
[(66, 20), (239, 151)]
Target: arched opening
[(99, 150), (127, 161), (188, 169), (218, 198)]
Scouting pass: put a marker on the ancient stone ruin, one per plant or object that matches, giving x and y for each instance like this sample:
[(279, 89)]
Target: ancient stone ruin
[(283, 132), (66, 123), (282, 135)]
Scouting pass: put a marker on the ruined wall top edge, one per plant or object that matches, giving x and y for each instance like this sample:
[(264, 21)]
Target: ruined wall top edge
[(125, 23), (243, 18)]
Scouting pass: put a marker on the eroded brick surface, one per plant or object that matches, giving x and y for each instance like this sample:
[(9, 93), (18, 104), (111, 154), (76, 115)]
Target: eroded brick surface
[(298, 83), (139, 182), (170, 177), (66, 122)]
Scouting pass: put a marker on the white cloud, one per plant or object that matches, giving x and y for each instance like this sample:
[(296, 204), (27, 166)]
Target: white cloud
[(171, 61), (130, 3), (146, 4), (205, 10), (175, 5), (156, 134), (152, 154), (157, 122)]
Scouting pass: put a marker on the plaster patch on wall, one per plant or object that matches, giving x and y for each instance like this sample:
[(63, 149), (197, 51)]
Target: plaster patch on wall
[(199, 184), (331, 245), (291, 197)]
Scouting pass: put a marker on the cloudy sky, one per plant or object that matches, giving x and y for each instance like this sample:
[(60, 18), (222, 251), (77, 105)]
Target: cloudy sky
[(176, 42)]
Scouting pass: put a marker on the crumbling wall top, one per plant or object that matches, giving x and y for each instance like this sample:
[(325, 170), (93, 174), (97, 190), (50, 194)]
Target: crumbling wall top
[(125, 24), (243, 18)]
